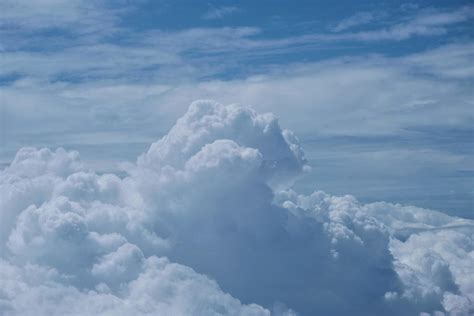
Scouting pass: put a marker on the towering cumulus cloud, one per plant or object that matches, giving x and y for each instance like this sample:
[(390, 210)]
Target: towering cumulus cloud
[(206, 223)]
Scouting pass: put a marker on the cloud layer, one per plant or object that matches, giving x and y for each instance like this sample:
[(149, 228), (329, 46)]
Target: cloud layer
[(205, 223)]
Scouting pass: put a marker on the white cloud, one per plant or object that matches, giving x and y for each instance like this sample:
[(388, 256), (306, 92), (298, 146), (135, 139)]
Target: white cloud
[(425, 23), (438, 264), (78, 16), (391, 90), (220, 12), (207, 196), (428, 22), (161, 288), (450, 61), (94, 54), (360, 18), (382, 96)]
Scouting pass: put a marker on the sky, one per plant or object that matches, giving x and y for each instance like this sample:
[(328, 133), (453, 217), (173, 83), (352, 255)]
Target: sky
[(329, 163), (379, 93)]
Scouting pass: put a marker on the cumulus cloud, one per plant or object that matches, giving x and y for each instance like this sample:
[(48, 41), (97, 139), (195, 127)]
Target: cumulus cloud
[(206, 223), (161, 288)]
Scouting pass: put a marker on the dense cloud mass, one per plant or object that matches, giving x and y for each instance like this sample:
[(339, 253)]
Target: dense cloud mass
[(206, 223)]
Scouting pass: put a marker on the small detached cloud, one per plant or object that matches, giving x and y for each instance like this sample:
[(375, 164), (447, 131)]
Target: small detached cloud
[(206, 223), (358, 19), (220, 12)]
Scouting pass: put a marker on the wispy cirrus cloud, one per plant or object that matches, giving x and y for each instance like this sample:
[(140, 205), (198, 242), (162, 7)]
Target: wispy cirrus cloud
[(389, 93), (379, 25), (113, 85), (425, 23), (186, 50), (358, 19), (217, 13), (75, 16)]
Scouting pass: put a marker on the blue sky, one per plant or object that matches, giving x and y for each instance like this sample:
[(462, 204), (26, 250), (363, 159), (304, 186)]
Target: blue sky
[(379, 93)]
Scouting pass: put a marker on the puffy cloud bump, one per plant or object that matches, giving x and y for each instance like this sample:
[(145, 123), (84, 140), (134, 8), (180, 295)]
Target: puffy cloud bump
[(206, 223)]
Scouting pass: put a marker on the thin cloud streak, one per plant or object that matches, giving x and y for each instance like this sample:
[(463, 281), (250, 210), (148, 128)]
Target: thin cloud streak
[(220, 12)]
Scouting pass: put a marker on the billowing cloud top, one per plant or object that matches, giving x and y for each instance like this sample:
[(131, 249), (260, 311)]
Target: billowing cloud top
[(205, 223)]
